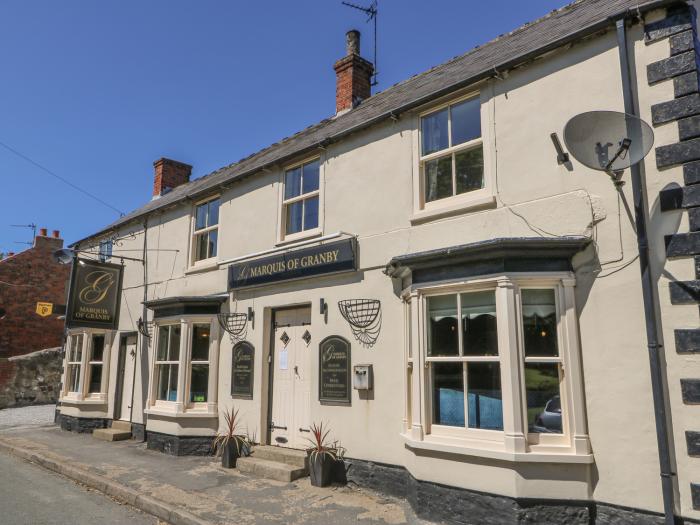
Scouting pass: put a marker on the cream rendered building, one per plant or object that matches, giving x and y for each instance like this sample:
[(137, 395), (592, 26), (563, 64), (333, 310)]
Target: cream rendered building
[(503, 320)]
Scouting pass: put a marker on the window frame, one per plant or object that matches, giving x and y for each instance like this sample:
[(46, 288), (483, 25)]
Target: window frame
[(195, 233), (460, 202), (158, 363), (514, 443), (282, 236), (181, 406), (446, 430), (190, 362), (84, 366)]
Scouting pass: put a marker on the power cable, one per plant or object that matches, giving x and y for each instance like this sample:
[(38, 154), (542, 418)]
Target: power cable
[(65, 181)]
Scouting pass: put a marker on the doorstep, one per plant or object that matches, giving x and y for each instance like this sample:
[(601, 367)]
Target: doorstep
[(119, 431), (277, 463)]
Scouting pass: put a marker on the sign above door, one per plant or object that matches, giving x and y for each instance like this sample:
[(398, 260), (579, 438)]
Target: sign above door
[(324, 259)]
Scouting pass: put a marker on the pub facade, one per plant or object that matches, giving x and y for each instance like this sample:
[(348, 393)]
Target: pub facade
[(421, 274)]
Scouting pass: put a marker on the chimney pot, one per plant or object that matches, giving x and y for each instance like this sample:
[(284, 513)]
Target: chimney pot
[(353, 75), (169, 174), (352, 42), (43, 232), (56, 234), (10, 254)]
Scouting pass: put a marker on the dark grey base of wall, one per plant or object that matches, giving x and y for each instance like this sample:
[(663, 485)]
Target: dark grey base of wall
[(179, 445), (80, 424), (138, 432), (441, 503)]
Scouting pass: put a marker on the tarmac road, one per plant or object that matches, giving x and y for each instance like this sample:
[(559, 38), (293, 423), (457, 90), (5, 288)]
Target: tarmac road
[(30, 495)]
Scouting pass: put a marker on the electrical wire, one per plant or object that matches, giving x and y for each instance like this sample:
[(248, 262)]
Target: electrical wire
[(65, 181)]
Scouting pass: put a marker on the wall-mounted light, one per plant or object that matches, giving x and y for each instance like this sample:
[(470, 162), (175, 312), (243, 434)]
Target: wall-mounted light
[(251, 313), (323, 306), (562, 156)]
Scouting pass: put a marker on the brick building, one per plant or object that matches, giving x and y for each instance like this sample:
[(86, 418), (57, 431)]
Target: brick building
[(26, 278)]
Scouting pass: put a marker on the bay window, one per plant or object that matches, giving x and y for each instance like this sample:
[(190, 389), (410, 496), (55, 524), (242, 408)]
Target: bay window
[(87, 366), (451, 151), (491, 361), (184, 370), (301, 197)]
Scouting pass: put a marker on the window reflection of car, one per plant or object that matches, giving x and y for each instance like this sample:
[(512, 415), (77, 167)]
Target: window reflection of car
[(549, 420)]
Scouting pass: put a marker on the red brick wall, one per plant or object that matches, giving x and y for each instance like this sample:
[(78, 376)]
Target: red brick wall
[(26, 278)]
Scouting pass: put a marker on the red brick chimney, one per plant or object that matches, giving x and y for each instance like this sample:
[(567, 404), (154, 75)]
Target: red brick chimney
[(168, 175), (353, 75), (42, 240)]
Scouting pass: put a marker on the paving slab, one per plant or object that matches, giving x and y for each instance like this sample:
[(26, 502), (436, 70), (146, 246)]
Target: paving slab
[(199, 487)]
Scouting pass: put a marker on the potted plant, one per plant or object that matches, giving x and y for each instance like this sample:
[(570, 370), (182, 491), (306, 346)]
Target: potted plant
[(229, 443), (323, 456)]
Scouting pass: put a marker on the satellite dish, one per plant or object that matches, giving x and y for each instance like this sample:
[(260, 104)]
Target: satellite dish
[(608, 141), (64, 256)]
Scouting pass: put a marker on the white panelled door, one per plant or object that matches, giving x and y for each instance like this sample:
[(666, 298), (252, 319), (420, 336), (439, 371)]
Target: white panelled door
[(291, 381)]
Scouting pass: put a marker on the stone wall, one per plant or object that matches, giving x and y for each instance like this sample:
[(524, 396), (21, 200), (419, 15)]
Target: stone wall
[(31, 379)]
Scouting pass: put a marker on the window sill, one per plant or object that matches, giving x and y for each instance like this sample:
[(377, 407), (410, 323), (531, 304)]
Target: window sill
[(70, 400), (495, 451), (457, 207), (189, 414), (203, 266), (301, 236)]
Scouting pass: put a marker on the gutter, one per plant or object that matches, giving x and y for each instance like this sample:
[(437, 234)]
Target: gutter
[(394, 114)]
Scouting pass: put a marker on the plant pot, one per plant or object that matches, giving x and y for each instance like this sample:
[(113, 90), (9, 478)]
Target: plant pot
[(321, 469), (229, 455)]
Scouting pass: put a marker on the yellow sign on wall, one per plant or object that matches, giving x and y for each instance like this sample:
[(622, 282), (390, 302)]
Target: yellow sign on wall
[(44, 309)]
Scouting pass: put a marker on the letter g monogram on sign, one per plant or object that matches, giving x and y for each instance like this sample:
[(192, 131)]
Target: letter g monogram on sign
[(97, 286)]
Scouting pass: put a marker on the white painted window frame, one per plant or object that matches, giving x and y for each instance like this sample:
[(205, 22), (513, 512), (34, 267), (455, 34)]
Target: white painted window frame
[(181, 407), (282, 237), (84, 366), (209, 261), (458, 203), (514, 442)]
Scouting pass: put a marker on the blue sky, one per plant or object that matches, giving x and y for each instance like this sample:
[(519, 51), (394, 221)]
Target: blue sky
[(97, 90)]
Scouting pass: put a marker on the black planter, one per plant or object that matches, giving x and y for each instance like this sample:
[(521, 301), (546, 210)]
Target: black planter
[(321, 469), (230, 455)]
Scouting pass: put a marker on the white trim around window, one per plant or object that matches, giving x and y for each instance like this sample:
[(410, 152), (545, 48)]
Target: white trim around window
[(522, 399), (303, 202), (87, 356), (183, 376), (461, 200), (204, 228)]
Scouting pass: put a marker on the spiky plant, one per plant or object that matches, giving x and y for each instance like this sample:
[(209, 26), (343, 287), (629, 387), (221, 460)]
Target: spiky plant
[(232, 423), (320, 446)]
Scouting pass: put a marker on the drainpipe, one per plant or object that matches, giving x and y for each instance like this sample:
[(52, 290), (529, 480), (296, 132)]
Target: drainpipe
[(144, 313), (651, 315)]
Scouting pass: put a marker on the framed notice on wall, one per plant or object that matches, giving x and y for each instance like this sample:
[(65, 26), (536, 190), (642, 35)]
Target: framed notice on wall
[(334, 386), (242, 370)]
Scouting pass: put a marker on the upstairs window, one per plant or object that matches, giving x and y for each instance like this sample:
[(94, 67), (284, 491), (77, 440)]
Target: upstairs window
[(301, 198), (206, 230), (105, 250), (452, 157)]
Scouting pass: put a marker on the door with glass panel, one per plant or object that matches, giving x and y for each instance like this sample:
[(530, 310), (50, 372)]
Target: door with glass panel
[(291, 381), (464, 363)]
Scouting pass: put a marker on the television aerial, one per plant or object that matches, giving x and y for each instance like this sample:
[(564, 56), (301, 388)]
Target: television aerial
[(608, 141), (371, 11)]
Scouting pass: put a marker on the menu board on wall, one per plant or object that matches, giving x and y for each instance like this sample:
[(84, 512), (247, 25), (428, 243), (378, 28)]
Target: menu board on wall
[(242, 370), (334, 371)]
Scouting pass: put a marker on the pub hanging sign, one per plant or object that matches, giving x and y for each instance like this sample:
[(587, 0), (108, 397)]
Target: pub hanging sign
[(94, 296), (308, 262)]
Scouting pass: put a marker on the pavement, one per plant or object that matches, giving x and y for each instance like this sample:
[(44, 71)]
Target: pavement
[(194, 490), (25, 417), (31, 495)]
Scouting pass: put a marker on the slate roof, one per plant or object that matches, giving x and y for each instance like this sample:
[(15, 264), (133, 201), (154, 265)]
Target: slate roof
[(572, 22)]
